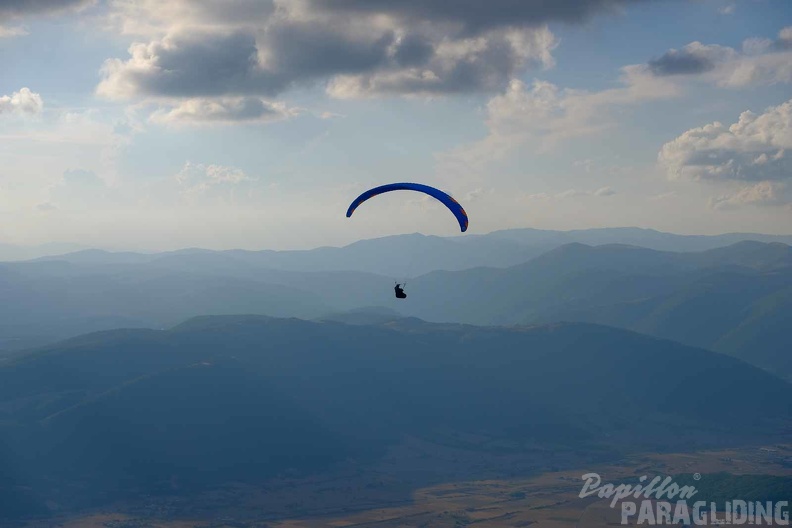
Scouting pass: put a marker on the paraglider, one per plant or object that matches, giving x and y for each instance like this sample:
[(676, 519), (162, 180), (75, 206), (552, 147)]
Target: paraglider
[(400, 292), (444, 198)]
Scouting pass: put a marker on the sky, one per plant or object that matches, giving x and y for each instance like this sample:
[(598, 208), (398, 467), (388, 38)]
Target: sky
[(148, 125)]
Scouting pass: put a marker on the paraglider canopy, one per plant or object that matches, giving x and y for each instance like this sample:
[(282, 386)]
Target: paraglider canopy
[(445, 198)]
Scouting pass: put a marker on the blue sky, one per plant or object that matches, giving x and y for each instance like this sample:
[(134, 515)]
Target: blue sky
[(253, 123)]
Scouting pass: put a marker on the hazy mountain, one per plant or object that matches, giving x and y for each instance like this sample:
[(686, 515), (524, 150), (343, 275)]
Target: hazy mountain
[(648, 238), (10, 252), (45, 301), (731, 299), (220, 399), (404, 256)]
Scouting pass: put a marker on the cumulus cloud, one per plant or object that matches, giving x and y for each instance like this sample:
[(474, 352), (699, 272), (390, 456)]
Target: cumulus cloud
[(187, 66), (693, 58), (481, 64), (244, 48), (541, 115), (22, 102), (223, 110), (760, 61), (757, 149)]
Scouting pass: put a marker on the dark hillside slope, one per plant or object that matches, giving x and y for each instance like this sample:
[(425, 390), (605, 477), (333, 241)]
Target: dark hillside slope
[(244, 398)]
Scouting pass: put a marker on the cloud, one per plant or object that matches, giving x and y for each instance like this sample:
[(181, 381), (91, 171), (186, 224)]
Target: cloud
[(541, 115), (477, 194), (199, 181), (760, 62), (45, 207), (231, 49), (765, 193), (482, 64), (223, 111), (784, 40), (602, 192), (727, 9), (10, 32), (756, 149), (665, 195), (188, 66), (13, 9), (331, 115), (154, 17), (693, 58), (22, 102), (474, 16)]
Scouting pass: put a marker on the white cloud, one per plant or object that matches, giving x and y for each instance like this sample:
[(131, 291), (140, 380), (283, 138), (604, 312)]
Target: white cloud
[(665, 195), (727, 9), (760, 62), (223, 110), (12, 31), (766, 193), (757, 149), (541, 115), (214, 182), (22, 102), (477, 194), (602, 192)]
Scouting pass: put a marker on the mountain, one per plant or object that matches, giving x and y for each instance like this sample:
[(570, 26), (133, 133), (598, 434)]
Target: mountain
[(731, 299), (734, 300), (121, 414), (633, 236), (404, 256), (10, 252), (46, 301)]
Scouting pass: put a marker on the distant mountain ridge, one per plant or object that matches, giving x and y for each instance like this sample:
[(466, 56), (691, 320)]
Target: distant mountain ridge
[(403, 256), (733, 299)]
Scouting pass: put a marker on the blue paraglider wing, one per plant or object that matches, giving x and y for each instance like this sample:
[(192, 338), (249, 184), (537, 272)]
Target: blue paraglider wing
[(446, 199)]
